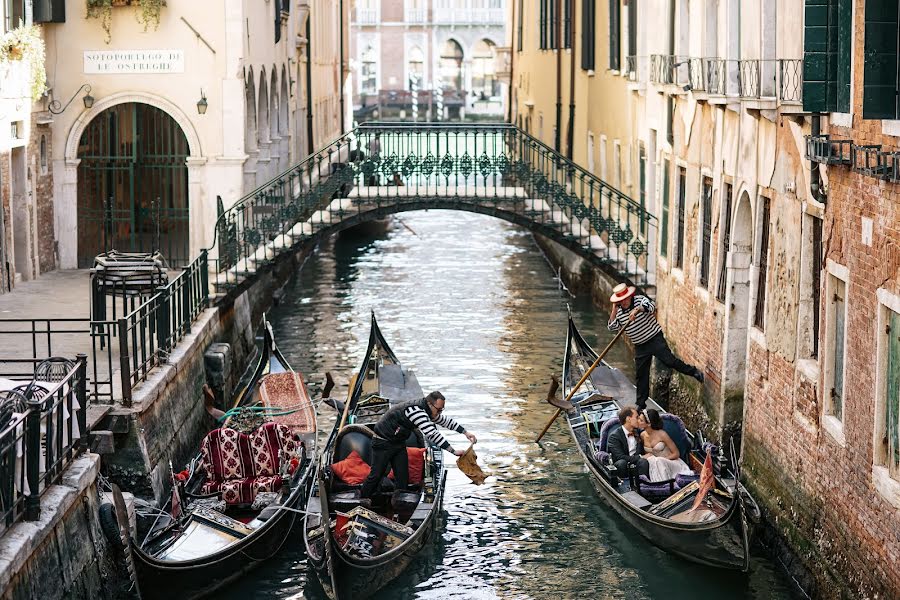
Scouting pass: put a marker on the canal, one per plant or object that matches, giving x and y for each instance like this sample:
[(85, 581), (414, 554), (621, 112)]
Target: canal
[(470, 303)]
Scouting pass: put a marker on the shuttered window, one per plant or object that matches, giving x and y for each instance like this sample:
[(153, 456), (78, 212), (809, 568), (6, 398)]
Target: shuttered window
[(838, 301), (725, 233), (827, 55), (642, 175), (568, 15), (614, 41), (679, 234), (706, 241), (664, 225), (759, 315), (891, 439), (521, 25), (553, 21), (816, 280), (588, 22), (542, 24), (880, 76)]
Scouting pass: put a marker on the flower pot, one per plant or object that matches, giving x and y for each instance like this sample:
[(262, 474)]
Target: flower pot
[(14, 52)]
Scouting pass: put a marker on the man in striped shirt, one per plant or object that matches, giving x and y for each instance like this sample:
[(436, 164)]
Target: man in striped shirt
[(394, 428), (637, 314)]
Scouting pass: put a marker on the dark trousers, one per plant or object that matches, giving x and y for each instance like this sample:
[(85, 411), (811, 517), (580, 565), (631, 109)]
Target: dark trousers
[(643, 356), (386, 455), (643, 465)]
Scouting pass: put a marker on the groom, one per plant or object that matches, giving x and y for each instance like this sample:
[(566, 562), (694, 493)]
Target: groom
[(625, 443)]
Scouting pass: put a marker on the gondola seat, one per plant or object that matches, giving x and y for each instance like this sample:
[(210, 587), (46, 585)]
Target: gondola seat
[(358, 438), (239, 465), (601, 453)]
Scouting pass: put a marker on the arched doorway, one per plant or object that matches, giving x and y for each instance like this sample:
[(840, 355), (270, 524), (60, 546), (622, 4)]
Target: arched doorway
[(133, 185), (451, 66), (484, 78), (737, 314)]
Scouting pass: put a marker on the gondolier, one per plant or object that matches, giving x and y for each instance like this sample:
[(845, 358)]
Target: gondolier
[(637, 314), (392, 431)]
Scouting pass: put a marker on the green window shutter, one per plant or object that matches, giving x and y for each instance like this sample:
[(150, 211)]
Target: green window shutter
[(880, 59), (815, 56), (892, 396), (844, 53), (664, 222), (614, 47)]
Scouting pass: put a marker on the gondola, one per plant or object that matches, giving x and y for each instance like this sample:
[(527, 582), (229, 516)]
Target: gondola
[(228, 524), (357, 551), (717, 533)]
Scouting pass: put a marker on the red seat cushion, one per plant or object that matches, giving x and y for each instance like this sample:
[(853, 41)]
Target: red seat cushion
[(352, 470), (416, 458)]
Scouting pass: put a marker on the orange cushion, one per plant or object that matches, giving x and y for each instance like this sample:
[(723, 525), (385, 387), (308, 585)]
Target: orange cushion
[(416, 458), (352, 470)]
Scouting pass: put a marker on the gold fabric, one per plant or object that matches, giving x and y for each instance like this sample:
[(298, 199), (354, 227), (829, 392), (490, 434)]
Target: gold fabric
[(468, 464)]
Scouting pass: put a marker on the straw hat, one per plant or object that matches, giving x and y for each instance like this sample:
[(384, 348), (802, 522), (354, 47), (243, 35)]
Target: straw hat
[(621, 292)]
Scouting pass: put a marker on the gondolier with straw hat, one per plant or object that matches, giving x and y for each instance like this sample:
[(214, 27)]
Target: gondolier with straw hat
[(637, 314)]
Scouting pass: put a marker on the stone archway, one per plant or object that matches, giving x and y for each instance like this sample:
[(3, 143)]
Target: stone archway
[(737, 313), (132, 189)]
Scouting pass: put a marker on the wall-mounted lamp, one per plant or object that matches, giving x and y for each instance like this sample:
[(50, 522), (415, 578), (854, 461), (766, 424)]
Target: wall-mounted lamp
[(56, 108), (202, 104)]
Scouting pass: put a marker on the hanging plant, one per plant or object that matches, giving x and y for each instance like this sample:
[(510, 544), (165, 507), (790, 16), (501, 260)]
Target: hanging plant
[(26, 44), (102, 9)]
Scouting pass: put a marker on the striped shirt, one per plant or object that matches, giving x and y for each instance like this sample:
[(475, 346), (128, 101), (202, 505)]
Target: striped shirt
[(644, 326), (424, 423)]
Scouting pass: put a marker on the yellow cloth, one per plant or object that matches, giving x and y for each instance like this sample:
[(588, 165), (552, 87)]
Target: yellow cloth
[(468, 464)]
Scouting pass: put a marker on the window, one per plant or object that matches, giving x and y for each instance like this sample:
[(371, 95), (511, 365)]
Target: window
[(520, 25), (706, 241), (542, 24), (816, 269), (43, 154), (552, 22), (837, 313), (590, 152), (484, 81), (759, 314), (670, 118), (664, 224), (369, 77), (603, 173), (451, 65), (614, 43), (679, 233), (632, 27), (827, 52), (568, 16), (415, 67), (588, 22), (887, 446), (617, 164), (15, 14), (642, 186), (881, 80), (725, 236)]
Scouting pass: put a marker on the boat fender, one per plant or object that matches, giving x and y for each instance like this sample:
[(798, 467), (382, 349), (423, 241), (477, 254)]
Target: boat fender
[(110, 526)]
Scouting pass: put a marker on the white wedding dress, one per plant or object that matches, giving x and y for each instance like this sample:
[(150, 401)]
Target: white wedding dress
[(662, 469)]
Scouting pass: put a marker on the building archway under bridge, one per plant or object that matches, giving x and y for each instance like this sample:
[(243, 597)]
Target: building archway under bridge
[(132, 191)]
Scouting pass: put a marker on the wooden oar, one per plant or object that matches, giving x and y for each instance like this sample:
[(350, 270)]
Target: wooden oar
[(347, 406), (578, 385)]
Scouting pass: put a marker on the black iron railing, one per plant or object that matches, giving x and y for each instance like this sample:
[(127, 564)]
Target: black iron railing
[(757, 78), (631, 68), (823, 149), (45, 429), (790, 80), (871, 160), (661, 69), (715, 76), (697, 74)]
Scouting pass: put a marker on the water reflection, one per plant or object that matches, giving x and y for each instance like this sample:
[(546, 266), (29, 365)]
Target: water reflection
[(472, 306)]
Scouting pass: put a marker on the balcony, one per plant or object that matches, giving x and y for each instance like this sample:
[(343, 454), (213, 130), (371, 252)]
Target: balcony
[(469, 16), (822, 149), (367, 16), (790, 80), (669, 70), (416, 15)]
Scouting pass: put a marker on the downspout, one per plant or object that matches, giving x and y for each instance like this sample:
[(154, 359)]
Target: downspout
[(309, 103), (571, 132), (815, 180), (341, 78), (559, 45), (512, 62)]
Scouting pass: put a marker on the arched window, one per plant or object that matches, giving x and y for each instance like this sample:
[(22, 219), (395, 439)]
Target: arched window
[(416, 66), (484, 79), (369, 76), (451, 65)]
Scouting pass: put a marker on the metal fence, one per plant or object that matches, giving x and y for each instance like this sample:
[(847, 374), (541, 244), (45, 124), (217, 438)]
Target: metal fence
[(790, 80), (715, 76), (44, 430)]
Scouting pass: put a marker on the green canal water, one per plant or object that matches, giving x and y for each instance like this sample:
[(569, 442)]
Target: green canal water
[(470, 304)]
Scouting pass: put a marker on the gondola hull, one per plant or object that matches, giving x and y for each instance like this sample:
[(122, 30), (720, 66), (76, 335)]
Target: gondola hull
[(722, 543), (199, 578), (357, 580)]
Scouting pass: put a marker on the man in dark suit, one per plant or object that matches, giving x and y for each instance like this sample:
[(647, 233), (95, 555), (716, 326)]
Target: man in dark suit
[(625, 443)]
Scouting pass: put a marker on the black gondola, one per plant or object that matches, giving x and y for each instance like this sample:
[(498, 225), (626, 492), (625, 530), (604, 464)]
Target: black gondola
[(217, 539), (354, 561), (717, 533)]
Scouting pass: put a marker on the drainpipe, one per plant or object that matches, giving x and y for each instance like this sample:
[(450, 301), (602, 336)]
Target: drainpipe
[(309, 104), (570, 134), (559, 45), (512, 61), (341, 78), (815, 181)]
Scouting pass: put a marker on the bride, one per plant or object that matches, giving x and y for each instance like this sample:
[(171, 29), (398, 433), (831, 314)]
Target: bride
[(662, 453)]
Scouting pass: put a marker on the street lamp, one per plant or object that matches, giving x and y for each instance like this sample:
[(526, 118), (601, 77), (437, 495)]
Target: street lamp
[(202, 104), (56, 108)]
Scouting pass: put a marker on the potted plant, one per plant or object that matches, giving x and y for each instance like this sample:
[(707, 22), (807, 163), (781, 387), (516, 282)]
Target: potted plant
[(102, 9), (26, 44)]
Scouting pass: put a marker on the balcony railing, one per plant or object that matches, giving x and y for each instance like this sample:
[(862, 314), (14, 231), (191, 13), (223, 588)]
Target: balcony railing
[(790, 80), (367, 16), (631, 67), (415, 15), (714, 76), (697, 75), (757, 78), (466, 16), (669, 70), (823, 149), (871, 160)]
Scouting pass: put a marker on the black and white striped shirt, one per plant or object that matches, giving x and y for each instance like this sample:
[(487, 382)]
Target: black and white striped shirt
[(420, 419), (644, 326)]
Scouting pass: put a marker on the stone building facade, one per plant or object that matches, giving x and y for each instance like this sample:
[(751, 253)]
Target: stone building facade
[(780, 280), (428, 45), (164, 118)]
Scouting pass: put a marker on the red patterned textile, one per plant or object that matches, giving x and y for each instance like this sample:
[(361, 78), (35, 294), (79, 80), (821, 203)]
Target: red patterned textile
[(416, 459), (240, 465)]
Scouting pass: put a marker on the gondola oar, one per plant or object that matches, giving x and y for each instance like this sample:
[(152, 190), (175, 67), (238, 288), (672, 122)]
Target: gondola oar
[(578, 385)]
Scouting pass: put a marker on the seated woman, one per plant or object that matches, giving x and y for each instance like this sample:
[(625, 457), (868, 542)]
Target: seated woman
[(663, 456)]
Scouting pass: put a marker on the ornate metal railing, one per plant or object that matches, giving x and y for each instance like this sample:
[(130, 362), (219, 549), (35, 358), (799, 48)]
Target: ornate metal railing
[(790, 80), (383, 168), (43, 428), (631, 67), (697, 74), (715, 76), (661, 71), (756, 78)]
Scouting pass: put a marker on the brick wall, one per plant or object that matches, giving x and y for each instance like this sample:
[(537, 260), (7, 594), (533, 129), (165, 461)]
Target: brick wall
[(43, 201)]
